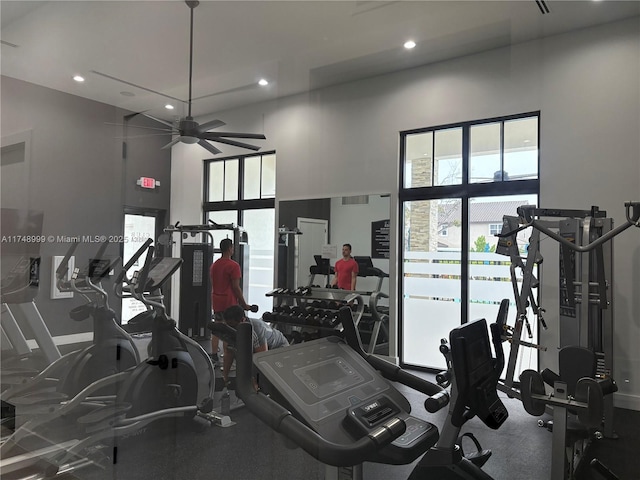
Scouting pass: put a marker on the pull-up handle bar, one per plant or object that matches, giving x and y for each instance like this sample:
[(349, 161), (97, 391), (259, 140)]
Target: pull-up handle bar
[(633, 220)]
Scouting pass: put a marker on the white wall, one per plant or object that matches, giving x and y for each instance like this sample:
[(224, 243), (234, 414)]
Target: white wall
[(344, 141)]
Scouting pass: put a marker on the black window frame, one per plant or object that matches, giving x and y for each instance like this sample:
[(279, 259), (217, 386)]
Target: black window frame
[(241, 204), (463, 191)]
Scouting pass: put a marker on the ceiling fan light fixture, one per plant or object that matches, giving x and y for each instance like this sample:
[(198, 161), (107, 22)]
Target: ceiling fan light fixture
[(189, 139)]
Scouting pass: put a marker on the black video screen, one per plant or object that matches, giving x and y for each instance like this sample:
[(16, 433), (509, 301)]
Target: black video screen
[(479, 359), (327, 373)]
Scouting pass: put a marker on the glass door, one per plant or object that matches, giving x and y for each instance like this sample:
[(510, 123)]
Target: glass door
[(138, 227)]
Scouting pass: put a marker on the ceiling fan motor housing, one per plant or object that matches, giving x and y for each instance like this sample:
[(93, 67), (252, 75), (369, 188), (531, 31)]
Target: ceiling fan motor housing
[(188, 127)]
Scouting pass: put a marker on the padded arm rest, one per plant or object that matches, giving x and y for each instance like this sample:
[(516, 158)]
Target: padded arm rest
[(608, 386), (550, 377)]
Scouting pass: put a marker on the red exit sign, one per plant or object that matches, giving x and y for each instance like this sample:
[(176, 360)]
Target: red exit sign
[(148, 182)]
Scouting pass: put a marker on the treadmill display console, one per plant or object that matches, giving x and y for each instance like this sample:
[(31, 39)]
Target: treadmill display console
[(323, 377), (328, 377)]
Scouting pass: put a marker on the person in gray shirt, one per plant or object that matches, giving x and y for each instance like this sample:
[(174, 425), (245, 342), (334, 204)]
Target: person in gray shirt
[(264, 337)]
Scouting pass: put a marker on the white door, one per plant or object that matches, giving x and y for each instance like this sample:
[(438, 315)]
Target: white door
[(315, 234)]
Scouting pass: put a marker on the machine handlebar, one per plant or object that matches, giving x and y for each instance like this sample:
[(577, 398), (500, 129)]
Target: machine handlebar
[(62, 269), (133, 260), (389, 370), (143, 274), (632, 213)]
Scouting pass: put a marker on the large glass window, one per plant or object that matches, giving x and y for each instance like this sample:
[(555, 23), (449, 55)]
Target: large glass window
[(241, 191), (458, 183), (431, 277)]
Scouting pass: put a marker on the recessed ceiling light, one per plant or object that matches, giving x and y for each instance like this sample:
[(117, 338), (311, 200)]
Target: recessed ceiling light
[(127, 94), (168, 106), (78, 78), (262, 82), (409, 44)]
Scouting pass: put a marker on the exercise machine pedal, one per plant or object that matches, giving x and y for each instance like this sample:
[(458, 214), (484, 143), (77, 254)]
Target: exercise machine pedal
[(480, 456)]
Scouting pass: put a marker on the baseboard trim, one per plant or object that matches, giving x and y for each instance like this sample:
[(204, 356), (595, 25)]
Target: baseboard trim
[(630, 402), (66, 339)]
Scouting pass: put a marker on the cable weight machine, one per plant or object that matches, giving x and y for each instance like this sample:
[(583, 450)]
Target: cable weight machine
[(195, 291), (585, 284)]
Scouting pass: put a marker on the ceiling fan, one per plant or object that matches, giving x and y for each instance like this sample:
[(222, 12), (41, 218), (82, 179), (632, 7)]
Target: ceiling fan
[(187, 130)]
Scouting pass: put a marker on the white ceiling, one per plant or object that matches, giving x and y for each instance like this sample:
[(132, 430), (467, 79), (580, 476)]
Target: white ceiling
[(142, 47)]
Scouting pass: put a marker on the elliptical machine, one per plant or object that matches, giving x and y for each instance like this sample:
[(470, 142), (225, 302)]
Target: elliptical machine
[(111, 351), (330, 398), (169, 378), (164, 386)]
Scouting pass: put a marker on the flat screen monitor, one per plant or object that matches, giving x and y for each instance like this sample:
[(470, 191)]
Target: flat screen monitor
[(365, 265), (321, 262)]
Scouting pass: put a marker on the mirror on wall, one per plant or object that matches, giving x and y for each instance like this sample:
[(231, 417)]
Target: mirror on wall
[(311, 234), (310, 226)]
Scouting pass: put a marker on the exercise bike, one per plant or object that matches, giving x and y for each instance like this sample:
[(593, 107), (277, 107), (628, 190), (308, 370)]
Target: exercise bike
[(333, 400)]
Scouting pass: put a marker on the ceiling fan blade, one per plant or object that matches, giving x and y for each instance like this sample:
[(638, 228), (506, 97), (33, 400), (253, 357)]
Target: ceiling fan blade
[(159, 120), (211, 124), (146, 135), (257, 136), (140, 126), (229, 142), (208, 146), (171, 143)]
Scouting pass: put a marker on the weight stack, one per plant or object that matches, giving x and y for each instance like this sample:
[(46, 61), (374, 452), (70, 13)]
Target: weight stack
[(195, 292)]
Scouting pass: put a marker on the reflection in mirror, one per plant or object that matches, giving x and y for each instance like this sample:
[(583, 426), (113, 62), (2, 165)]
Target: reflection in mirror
[(310, 239)]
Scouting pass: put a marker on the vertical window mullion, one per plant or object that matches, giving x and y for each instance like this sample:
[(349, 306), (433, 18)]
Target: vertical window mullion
[(433, 158), (241, 178), (260, 190), (502, 152), (205, 187), (403, 156), (224, 180), (464, 267)]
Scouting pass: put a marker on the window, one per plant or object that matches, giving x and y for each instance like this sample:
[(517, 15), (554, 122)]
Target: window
[(241, 190), (494, 229), (457, 182)]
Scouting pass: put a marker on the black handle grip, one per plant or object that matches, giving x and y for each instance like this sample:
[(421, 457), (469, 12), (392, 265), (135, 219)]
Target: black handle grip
[(599, 467), (144, 272), (388, 370), (133, 260), (101, 250), (496, 338), (633, 211), (61, 271), (436, 402)]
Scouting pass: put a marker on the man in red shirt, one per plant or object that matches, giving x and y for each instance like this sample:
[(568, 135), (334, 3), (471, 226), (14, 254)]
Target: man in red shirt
[(346, 270), (225, 275)]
